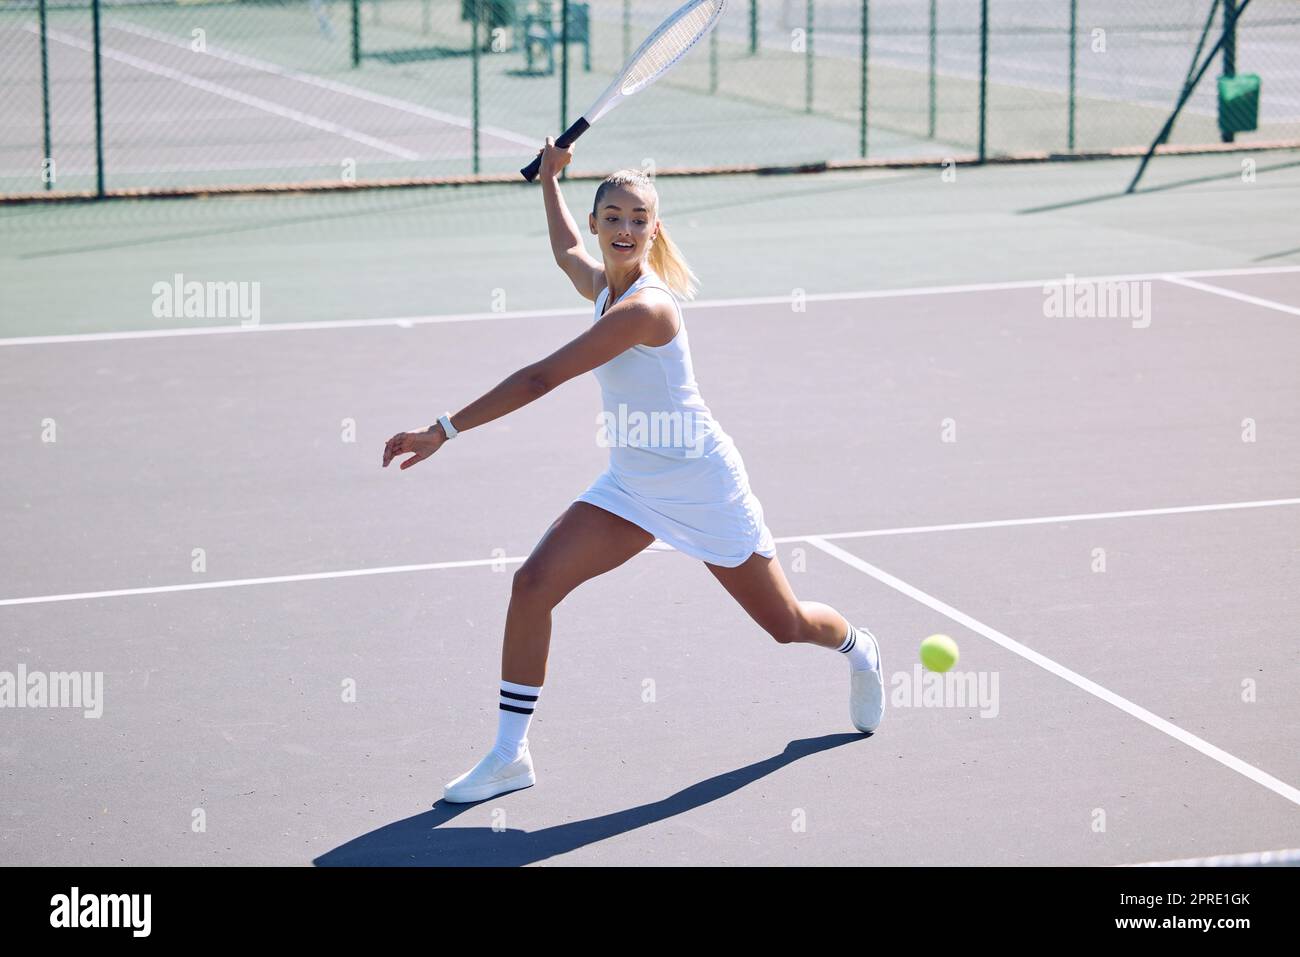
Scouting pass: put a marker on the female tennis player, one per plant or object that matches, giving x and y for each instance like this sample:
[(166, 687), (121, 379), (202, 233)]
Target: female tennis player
[(673, 473)]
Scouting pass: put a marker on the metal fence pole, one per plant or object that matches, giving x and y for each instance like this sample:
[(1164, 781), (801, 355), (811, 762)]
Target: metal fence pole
[(99, 107), (753, 27), (47, 165), (474, 18), (356, 33), (564, 69), (627, 31), (1229, 52), (808, 60), (1230, 37), (713, 61), (862, 127), (1193, 78), (984, 75), (1074, 55), (934, 46)]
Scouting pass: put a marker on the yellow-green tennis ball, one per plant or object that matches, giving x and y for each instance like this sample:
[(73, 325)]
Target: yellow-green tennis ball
[(938, 652)]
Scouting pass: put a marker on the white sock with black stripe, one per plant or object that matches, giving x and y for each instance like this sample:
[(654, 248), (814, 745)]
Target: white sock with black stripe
[(862, 654), (515, 713)]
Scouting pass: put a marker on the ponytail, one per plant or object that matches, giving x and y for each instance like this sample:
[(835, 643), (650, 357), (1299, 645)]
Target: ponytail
[(667, 260)]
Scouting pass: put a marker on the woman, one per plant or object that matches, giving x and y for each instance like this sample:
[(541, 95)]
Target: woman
[(674, 474)]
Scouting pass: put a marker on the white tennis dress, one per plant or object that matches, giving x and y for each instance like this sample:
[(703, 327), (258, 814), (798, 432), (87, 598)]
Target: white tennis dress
[(672, 469)]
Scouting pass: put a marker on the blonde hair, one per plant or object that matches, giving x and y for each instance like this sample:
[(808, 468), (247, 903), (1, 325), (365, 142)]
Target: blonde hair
[(664, 257)]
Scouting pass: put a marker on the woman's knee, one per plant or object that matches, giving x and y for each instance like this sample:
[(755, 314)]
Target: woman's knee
[(790, 629), (534, 585)]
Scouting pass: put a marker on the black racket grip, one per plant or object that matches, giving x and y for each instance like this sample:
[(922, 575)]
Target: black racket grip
[(567, 139)]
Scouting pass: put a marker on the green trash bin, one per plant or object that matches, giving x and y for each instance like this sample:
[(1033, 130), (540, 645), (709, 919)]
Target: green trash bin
[(1239, 103)]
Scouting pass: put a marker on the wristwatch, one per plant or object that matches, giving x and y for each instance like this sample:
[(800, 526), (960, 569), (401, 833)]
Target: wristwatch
[(448, 429)]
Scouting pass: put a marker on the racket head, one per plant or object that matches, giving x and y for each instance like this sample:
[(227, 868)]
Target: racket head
[(656, 55), (660, 51)]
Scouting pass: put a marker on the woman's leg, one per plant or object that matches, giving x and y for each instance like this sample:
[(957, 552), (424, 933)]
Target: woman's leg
[(584, 542), (760, 586)]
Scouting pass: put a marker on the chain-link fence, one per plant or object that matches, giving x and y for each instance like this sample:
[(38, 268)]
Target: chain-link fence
[(157, 94)]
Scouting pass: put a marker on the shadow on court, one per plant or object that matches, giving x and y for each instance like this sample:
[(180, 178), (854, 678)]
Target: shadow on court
[(421, 840)]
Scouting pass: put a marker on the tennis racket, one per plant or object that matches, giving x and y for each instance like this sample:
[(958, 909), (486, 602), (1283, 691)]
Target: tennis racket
[(652, 59)]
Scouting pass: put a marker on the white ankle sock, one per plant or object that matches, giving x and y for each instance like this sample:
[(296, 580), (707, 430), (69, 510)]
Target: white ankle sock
[(514, 715), (859, 648)]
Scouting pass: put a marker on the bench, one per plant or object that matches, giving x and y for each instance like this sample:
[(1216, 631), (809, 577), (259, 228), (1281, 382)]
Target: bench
[(542, 31)]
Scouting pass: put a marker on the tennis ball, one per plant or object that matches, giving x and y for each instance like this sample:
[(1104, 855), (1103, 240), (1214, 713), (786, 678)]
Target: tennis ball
[(938, 652)]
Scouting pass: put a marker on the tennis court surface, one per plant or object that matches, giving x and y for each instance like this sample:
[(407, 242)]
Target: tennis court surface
[(1058, 424)]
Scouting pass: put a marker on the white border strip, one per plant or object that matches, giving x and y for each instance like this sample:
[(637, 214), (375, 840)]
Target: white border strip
[(654, 546), (407, 321), (1232, 294), (1281, 788)]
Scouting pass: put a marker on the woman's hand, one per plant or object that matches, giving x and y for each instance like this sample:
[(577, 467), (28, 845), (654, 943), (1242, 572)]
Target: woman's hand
[(554, 159), (423, 443)]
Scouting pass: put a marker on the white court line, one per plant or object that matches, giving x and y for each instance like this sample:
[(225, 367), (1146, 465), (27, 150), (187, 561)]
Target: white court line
[(1200, 103), (406, 321), (273, 580), (306, 119), (347, 90), (1232, 294), (1285, 857), (290, 326), (963, 64), (328, 167), (1047, 519), (654, 546), (1281, 788), (314, 162)]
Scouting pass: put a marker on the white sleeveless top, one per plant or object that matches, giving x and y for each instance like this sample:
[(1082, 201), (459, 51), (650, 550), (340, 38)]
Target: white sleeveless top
[(651, 401), (672, 469)]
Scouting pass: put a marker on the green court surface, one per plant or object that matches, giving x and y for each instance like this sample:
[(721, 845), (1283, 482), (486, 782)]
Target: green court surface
[(367, 255)]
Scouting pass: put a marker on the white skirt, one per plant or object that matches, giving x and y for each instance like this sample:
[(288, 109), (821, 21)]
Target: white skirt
[(701, 506)]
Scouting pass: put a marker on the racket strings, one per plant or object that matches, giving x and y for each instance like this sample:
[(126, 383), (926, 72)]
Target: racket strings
[(665, 50)]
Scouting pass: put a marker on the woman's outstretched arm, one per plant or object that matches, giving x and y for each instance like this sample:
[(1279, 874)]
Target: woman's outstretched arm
[(625, 325), (514, 391)]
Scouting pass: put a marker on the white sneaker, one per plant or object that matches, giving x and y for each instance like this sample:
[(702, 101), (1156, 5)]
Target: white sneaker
[(490, 777), (867, 692)]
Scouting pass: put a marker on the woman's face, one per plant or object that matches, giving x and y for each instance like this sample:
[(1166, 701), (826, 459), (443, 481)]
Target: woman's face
[(625, 222)]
